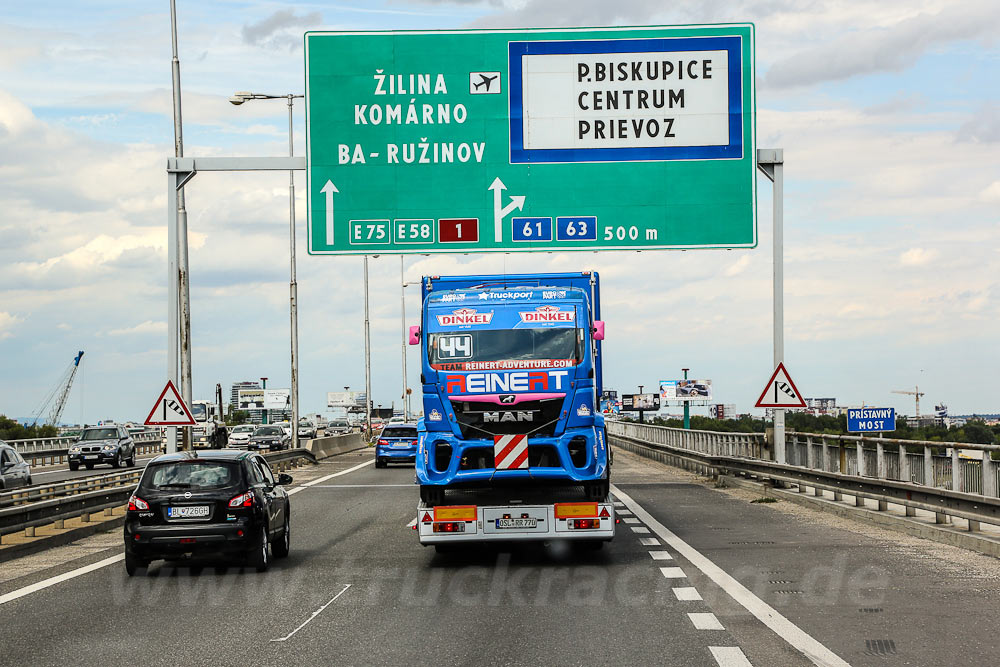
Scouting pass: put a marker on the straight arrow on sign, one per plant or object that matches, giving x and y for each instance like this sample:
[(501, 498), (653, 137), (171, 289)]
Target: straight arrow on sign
[(328, 190)]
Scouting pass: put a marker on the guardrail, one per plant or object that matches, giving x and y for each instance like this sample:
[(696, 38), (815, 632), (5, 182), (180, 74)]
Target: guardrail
[(27, 508), (34, 445), (869, 476)]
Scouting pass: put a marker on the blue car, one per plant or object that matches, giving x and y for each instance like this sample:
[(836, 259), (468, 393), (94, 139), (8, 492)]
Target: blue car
[(397, 443)]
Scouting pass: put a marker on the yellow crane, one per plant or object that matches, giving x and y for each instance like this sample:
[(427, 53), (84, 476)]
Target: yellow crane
[(916, 394)]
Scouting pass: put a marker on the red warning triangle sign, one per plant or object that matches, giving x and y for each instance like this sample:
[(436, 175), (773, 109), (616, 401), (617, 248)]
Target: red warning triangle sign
[(780, 391), (427, 517), (169, 409), (604, 513)]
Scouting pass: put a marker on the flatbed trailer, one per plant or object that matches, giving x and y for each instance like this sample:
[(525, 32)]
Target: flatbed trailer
[(516, 515)]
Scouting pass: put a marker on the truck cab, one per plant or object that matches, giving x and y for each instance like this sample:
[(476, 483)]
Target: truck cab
[(511, 374)]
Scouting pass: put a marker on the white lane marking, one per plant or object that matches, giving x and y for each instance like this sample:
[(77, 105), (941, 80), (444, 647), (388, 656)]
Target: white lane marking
[(660, 555), (791, 633), (631, 520), (649, 542), (641, 530), (331, 476), (619, 504), (72, 574), (673, 573), (705, 621), (686, 594), (65, 576), (729, 656), (624, 512), (314, 615)]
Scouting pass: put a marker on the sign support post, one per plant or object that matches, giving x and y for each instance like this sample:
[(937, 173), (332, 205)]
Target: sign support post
[(771, 162), (687, 406)]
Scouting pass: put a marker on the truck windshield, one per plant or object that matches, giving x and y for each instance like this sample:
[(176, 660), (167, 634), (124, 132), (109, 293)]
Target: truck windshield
[(198, 412), (486, 349)]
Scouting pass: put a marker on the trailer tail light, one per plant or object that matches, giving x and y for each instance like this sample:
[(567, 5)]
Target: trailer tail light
[(450, 527), (586, 523), (242, 500), (575, 510), (135, 503), (455, 513)]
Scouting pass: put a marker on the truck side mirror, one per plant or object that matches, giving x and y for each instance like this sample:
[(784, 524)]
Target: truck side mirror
[(415, 334), (598, 330)]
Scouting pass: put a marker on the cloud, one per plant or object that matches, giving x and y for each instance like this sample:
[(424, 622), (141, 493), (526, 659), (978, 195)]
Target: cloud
[(918, 257), (886, 48), (146, 327), (737, 267), (983, 127), (8, 322), (271, 31), (991, 193)]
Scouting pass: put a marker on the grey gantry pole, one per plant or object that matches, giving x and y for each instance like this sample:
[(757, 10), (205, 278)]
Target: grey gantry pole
[(180, 273), (771, 163), (402, 317), (368, 363), (293, 286)]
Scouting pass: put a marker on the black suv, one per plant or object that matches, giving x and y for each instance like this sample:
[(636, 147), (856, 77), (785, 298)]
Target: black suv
[(102, 444), (14, 471), (220, 502)]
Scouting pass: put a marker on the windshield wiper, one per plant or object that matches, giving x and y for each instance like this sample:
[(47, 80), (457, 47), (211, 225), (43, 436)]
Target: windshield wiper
[(175, 485)]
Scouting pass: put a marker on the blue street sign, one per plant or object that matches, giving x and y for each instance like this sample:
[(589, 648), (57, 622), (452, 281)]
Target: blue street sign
[(868, 420)]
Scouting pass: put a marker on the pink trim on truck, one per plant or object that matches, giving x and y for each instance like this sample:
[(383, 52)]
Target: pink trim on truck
[(495, 398)]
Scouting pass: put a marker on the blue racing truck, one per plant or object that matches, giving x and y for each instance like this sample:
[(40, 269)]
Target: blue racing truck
[(512, 445)]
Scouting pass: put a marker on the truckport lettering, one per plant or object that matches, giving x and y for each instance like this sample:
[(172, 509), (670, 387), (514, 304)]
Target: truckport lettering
[(491, 383)]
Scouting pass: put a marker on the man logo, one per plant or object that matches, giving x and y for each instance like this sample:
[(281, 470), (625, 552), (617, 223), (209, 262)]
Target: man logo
[(519, 416), (507, 398)]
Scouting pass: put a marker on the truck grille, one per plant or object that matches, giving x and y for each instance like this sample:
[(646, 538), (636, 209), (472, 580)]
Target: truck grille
[(484, 420)]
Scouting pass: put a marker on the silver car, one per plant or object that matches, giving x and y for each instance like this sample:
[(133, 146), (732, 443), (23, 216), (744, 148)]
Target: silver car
[(240, 436)]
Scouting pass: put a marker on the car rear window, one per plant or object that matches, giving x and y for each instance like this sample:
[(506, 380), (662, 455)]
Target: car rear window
[(397, 432), (192, 475)]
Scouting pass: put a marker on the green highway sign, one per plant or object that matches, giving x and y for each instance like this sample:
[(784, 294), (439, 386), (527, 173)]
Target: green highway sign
[(531, 140)]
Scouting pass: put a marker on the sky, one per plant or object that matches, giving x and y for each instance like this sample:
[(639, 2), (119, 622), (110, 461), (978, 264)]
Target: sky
[(888, 113)]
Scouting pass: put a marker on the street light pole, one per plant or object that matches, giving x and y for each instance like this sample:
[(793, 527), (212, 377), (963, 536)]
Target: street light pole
[(687, 404), (183, 275), (293, 285)]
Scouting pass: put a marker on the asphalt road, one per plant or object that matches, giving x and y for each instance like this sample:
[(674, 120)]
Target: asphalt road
[(695, 576)]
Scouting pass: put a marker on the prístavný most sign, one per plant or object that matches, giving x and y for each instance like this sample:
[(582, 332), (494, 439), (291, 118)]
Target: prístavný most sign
[(510, 140)]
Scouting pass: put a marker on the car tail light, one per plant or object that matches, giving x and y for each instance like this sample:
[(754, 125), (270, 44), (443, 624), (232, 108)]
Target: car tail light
[(383, 442), (242, 500), (586, 523), (413, 444), (135, 503), (450, 527)]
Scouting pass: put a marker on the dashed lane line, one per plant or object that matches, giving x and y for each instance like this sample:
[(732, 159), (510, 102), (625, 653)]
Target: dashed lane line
[(673, 573), (729, 656), (705, 621), (649, 542), (791, 633), (687, 594), (631, 520), (660, 555), (641, 530)]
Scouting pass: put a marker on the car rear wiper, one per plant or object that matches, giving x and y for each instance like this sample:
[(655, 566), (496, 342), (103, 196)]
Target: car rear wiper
[(176, 485)]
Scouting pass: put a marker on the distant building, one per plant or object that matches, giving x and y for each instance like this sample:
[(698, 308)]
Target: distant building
[(821, 406), (256, 416)]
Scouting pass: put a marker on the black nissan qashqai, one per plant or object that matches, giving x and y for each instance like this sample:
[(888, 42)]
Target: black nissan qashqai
[(221, 502)]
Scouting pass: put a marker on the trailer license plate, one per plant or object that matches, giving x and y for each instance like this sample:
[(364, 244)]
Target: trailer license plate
[(530, 522), (187, 512)]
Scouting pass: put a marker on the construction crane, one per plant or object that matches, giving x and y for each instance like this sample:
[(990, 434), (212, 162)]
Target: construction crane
[(916, 394), (59, 394)]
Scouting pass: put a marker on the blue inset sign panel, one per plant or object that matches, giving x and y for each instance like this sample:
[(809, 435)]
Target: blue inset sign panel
[(871, 420), (532, 229), (576, 228)]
